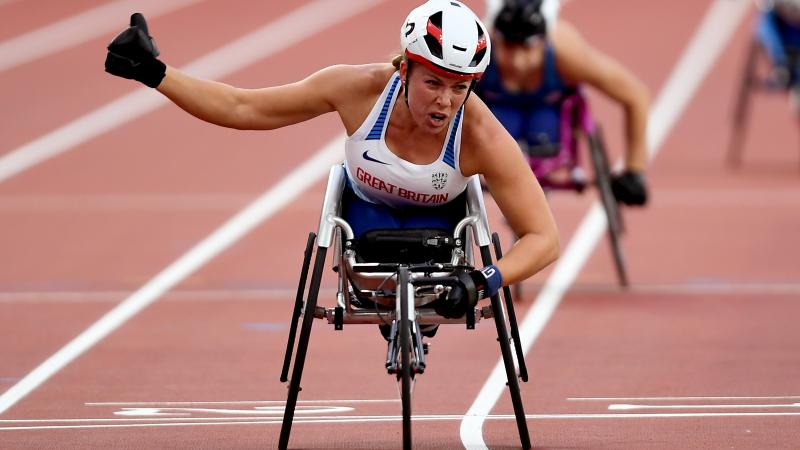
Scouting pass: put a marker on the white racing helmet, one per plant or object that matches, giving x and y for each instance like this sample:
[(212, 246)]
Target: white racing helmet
[(448, 38)]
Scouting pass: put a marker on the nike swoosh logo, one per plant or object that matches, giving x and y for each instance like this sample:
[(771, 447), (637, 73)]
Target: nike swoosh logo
[(369, 158)]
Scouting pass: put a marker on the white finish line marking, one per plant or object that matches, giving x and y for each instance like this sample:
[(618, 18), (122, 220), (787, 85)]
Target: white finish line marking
[(628, 407), (244, 402), (612, 399), (715, 30)]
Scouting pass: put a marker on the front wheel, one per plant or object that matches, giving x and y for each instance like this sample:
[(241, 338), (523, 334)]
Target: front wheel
[(405, 355)]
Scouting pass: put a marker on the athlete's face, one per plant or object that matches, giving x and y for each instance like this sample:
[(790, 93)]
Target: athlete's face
[(518, 60), (433, 99)]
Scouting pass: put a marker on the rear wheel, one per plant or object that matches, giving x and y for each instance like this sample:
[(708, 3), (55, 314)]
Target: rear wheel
[(742, 108), (609, 202)]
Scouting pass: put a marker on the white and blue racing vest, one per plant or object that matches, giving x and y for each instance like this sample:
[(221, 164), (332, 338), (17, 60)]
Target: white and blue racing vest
[(379, 176)]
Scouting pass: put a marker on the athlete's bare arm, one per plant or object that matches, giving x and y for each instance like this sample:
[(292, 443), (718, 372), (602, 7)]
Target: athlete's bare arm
[(580, 63), (345, 89), (488, 149)]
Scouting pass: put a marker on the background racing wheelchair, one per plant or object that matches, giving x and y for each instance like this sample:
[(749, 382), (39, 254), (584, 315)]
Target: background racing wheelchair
[(772, 65), (398, 279), (557, 165)]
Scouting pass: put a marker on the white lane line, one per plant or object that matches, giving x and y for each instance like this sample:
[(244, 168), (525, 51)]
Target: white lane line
[(715, 30), (273, 410), (630, 407), (244, 402), (613, 399), (702, 288), (198, 422), (79, 28), (284, 32), (261, 209)]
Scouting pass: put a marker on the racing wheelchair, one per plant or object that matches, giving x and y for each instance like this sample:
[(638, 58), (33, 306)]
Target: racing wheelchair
[(557, 166), (399, 288), (757, 76)]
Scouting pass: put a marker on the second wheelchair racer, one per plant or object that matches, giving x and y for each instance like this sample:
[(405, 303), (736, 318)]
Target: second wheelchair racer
[(778, 30), (415, 135), (537, 61)]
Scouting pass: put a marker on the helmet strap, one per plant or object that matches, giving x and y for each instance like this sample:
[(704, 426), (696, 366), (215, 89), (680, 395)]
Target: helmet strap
[(469, 91)]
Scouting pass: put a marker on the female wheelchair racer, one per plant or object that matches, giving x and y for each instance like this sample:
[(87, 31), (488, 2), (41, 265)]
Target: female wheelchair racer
[(435, 81), (415, 140), (538, 61), (778, 31)]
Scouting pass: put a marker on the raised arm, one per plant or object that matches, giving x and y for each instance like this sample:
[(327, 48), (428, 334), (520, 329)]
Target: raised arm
[(256, 109), (133, 54)]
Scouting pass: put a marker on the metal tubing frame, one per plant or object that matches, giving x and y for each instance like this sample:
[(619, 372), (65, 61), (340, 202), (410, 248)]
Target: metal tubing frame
[(508, 360), (741, 110), (512, 317), (298, 306), (302, 347)]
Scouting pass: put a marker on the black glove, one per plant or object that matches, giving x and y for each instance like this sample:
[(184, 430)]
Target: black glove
[(462, 297), (472, 286), (781, 76), (132, 54), (629, 188)]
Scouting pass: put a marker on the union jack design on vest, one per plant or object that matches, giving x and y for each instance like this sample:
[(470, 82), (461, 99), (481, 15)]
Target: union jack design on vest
[(439, 180)]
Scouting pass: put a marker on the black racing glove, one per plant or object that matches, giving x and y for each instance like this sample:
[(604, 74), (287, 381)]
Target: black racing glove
[(132, 54), (472, 286), (781, 76), (629, 188)]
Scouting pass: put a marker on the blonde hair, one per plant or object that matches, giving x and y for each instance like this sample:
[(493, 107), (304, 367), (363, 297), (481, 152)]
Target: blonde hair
[(397, 59)]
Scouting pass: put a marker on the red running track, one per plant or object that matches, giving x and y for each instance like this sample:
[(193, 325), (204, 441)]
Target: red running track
[(704, 335)]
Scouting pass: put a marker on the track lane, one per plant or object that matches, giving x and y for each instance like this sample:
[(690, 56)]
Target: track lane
[(170, 172), (650, 344), (74, 79), (21, 17), (430, 388)]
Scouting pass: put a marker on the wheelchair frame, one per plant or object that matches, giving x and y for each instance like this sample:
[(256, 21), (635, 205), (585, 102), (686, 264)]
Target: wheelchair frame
[(405, 351), (576, 119), (750, 83)]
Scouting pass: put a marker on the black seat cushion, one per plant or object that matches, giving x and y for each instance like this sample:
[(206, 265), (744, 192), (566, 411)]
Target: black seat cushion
[(407, 246)]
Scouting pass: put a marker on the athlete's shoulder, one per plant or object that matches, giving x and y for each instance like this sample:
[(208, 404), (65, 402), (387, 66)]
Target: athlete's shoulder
[(349, 86), (565, 33), (575, 58), (480, 125), (357, 79)]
